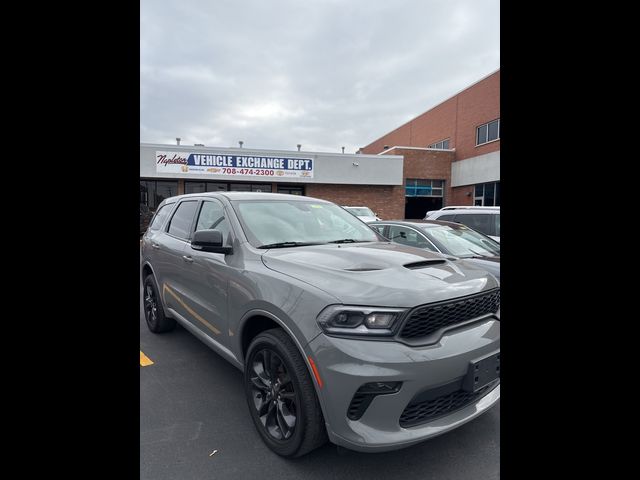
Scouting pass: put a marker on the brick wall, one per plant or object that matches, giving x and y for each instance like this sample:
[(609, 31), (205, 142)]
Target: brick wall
[(386, 200), (456, 118), (459, 196), (427, 164)]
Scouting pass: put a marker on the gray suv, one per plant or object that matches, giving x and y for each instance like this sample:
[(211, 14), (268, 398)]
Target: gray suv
[(341, 334)]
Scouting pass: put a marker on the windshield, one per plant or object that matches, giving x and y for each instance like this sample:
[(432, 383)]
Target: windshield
[(361, 211), (271, 222), (463, 242)]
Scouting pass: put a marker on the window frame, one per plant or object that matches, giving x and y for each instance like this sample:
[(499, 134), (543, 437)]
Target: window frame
[(192, 225), (478, 127), (155, 214), (226, 215), (434, 145), (388, 235), (414, 186)]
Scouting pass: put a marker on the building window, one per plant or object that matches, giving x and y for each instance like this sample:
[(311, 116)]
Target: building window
[(487, 195), (418, 187), (488, 132), (290, 190), (201, 187), (441, 145), (248, 187), (153, 192)]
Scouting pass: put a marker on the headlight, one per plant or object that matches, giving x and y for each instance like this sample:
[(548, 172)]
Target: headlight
[(345, 320)]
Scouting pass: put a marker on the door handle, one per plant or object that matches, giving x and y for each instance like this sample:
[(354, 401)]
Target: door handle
[(156, 246), (187, 258)]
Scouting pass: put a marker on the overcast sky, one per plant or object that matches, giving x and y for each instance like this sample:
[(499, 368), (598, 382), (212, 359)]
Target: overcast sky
[(322, 73)]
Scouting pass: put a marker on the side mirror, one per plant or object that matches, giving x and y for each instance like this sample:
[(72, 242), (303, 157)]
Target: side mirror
[(209, 241)]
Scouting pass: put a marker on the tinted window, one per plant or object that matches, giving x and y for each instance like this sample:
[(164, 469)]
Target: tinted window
[(212, 217), (161, 215), (378, 228), (180, 224), (446, 218), (408, 236), (482, 222), (194, 187)]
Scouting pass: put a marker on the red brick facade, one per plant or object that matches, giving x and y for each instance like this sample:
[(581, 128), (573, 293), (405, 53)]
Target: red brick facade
[(385, 200), (455, 119), (461, 196), (427, 164)]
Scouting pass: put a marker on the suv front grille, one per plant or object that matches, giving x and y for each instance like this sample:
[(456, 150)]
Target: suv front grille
[(426, 320), (422, 412)]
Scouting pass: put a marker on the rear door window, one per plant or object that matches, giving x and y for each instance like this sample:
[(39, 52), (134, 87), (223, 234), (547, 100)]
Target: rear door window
[(180, 224), (482, 222)]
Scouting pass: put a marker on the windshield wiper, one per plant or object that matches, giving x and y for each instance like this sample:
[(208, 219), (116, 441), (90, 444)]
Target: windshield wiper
[(477, 254), (287, 244), (347, 240)]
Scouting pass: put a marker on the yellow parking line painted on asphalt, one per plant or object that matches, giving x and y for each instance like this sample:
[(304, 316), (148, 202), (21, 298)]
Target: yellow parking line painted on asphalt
[(144, 360)]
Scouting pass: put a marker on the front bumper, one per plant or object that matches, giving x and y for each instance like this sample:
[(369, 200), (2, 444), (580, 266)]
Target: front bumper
[(346, 364)]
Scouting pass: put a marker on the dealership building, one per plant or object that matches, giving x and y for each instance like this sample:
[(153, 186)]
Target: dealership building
[(346, 179), (451, 152), (449, 155)]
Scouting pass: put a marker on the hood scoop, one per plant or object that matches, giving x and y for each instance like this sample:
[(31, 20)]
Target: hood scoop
[(424, 264)]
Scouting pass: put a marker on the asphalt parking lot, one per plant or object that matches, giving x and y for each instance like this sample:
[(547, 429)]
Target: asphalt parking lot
[(192, 404)]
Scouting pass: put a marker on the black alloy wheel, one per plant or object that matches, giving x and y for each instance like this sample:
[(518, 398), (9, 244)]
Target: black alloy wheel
[(274, 395), (154, 314), (150, 304), (281, 395)]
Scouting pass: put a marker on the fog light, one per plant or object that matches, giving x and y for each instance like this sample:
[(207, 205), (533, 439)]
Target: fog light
[(377, 388), (365, 395), (379, 320)]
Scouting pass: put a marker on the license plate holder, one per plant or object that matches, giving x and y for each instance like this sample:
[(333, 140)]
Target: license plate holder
[(482, 372)]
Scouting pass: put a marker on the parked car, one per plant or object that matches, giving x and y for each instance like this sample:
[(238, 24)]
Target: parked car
[(444, 237), (484, 220), (458, 207), (363, 213), (341, 334), (145, 217)]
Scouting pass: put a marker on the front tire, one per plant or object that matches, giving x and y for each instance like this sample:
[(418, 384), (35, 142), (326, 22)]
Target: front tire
[(154, 314), (281, 396)]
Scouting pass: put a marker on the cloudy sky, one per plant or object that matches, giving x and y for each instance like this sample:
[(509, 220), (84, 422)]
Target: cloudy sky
[(322, 73)]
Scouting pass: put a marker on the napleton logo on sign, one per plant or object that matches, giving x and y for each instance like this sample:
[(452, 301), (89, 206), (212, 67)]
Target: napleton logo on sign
[(233, 165)]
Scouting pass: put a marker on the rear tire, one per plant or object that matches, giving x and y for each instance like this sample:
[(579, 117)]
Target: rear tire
[(154, 314), (281, 396)]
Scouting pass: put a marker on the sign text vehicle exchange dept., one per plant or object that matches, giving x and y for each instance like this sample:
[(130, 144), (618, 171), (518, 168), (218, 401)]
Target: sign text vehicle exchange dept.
[(234, 165)]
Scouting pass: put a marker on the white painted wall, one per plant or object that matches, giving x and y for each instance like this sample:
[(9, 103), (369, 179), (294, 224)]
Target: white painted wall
[(480, 169), (328, 167)]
